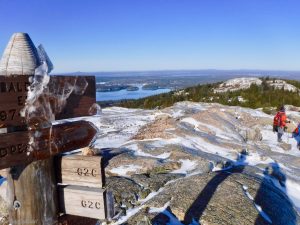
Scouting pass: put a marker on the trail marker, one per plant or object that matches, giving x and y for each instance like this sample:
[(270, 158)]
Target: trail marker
[(80, 170), (28, 152), (83, 201)]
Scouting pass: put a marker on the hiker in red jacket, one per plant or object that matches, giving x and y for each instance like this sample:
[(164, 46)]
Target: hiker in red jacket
[(279, 125)]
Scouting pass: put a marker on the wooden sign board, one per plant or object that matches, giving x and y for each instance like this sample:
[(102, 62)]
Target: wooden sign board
[(81, 100), (14, 147), (13, 94), (14, 90), (82, 201), (80, 170)]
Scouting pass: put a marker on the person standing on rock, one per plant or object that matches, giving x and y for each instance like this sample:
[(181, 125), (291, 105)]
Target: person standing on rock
[(279, 124), (296, 135)]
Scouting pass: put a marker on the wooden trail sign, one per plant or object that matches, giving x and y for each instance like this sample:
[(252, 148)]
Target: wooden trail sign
[(80, 170), (82, 201), (29, 152), (80, 182), (27, 142), (15, 148), (13, 94), (14, 91)]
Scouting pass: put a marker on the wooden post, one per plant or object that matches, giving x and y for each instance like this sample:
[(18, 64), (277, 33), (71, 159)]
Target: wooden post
[(32, 187), (33, 194)]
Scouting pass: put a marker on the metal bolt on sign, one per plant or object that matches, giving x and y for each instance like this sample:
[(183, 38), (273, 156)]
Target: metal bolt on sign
[(17, 205)]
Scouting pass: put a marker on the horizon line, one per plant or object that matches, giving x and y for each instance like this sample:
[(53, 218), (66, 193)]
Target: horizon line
[(181, 70)]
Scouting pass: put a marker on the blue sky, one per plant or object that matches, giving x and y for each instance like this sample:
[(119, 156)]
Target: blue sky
[(126, 35)]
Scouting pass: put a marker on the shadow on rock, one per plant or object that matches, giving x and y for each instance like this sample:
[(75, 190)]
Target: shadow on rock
[(108, 153), (196, 210), (271, 200)]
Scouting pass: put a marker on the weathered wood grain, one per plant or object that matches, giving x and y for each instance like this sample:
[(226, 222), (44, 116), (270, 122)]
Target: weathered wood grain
[(69, 97), (34, 187), (80, 170), (16, 148), (82, 98), (82, 201), (20, 56), (64, 138), (13, 94)]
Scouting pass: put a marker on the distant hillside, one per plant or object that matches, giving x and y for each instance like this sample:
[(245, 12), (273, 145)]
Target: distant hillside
[(246, 92)]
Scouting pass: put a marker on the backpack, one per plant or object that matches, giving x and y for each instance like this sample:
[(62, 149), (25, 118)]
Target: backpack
[(277, 119), (296, 131)]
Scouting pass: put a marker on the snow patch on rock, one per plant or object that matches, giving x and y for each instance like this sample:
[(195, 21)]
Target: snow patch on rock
[(237, 84)]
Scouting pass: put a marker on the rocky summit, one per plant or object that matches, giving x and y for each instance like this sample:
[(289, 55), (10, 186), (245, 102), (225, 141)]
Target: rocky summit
[(199, 163)]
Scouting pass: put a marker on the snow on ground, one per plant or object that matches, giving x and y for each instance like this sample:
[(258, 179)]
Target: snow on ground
[(159, 210), (118, 126), (129, 213), (258, 208), (270, 139), (246, 82), (186, 166), (139, 152), (123, 170), (293, 191), (253, 112), (237, 84), (217, 131), (279, 84), (172, 219)]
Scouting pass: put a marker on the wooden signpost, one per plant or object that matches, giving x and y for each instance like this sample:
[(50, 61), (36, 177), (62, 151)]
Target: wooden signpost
[(81, 170), (81, 180), (29, 153), (13, 92), (83, 201), (15, 148)]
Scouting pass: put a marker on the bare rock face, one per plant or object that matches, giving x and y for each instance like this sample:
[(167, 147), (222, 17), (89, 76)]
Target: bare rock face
[(227, 198), (285, 146), (20, 56), (251, 134)]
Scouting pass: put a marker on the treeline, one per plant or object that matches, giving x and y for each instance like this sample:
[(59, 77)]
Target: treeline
[(257, 96)]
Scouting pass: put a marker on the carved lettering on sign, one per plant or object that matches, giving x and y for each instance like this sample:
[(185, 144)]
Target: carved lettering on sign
[(48, 142), (8, 114), (14, 91), (15, 87), (13, 95), (90, 204), (13, 150), (86, 172), (80, 170), (83, 201)]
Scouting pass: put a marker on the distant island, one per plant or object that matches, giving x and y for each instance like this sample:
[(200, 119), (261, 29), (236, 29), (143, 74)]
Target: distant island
[(151, 87), (112, 87), (132, 88)]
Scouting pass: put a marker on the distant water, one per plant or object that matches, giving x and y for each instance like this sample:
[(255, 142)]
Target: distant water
[(124, 94)]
